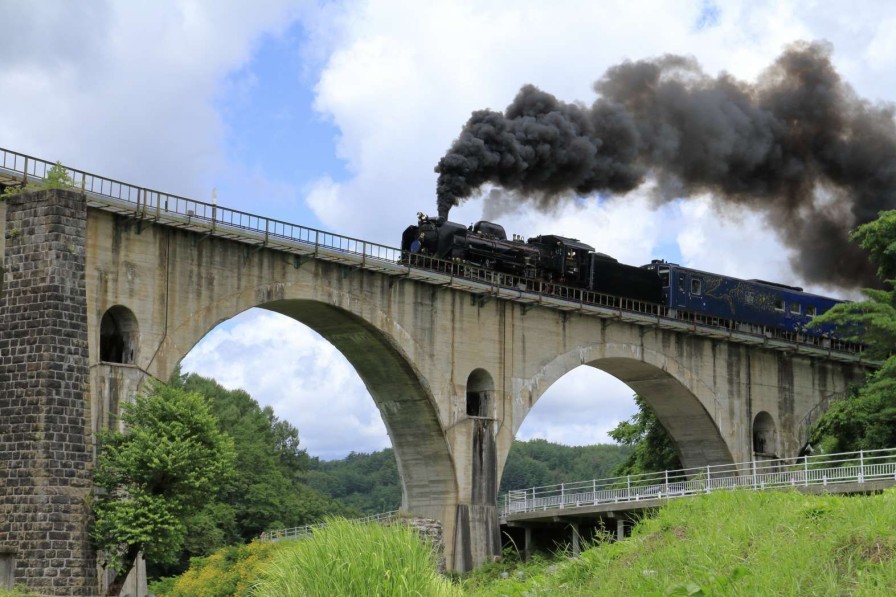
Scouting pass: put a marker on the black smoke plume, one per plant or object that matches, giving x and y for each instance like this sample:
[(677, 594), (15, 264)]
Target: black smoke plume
[(798, 145)]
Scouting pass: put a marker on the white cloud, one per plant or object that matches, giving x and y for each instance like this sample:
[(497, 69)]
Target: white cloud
[(126, 88), (580, 409)]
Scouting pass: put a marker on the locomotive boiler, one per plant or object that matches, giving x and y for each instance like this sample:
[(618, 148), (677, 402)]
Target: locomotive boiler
[(551, 258)]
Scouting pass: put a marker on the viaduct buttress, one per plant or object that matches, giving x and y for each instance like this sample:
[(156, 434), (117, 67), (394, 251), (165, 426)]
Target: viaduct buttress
[(97, 297)]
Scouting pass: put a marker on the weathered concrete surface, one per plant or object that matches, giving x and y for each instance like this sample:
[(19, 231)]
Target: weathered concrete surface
[(420, 349)]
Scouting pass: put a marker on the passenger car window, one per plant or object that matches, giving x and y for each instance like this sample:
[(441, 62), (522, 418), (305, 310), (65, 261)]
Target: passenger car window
[(795, 308), (779, 305), (810, 310), (696, 285)]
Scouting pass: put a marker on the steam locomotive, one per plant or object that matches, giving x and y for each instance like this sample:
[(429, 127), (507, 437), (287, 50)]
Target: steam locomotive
[(571, 263)]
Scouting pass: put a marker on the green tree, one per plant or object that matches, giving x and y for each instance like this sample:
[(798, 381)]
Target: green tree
[(155, 475), (539, 462), (365, 483), (269, 488), (57, 178), (653, 448), (866, 419)]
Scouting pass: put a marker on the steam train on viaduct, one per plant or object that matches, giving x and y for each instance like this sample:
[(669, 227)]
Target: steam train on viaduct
[(567, 262)]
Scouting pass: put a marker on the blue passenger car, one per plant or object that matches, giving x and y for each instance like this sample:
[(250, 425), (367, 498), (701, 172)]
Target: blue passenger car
[(752, 302)]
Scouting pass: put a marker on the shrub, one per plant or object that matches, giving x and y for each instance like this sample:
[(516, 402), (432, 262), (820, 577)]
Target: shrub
[(230, 571)]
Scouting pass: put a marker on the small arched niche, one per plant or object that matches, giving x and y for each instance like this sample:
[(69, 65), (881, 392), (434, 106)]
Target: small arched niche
[(118, 336), (764, 434), (480, 394)]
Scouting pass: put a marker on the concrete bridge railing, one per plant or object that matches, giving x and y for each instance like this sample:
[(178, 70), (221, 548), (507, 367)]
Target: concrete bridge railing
[(817, 470)]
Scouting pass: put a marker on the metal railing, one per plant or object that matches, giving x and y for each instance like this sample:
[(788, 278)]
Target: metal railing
[(154, 206), (847, 467), (308, 530)]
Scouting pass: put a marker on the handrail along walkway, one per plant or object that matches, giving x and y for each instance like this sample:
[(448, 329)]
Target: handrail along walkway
[(826, 470), (816, 470)]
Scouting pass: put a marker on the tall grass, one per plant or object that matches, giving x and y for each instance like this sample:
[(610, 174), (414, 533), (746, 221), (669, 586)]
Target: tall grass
[(357, 560), (739, 543)]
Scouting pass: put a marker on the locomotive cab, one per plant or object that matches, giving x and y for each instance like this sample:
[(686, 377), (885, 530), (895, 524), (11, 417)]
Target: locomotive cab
[(432, 236), (565, 259)]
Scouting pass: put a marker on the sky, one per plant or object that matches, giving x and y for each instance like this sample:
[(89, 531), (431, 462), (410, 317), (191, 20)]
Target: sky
[(332, 115)]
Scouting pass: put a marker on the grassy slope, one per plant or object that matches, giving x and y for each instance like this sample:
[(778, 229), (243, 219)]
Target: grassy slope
[(727, 543), (732, 543)]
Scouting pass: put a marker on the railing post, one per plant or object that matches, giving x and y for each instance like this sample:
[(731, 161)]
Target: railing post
[(861, 466), (25, 173), (666, 488), (267, 223), (562, 495), (708, 479), (628, 487), (754, 473), (594, 491), (805, 471)]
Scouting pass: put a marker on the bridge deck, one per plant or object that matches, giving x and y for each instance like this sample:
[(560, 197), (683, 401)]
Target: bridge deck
[(150, 207)]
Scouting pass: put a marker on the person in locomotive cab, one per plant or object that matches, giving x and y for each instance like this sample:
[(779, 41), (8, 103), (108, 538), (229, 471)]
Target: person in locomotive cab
[(417, 244)]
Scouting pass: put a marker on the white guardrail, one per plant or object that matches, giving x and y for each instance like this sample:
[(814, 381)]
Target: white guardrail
[(308, 530), (823, 470), (817, 470)]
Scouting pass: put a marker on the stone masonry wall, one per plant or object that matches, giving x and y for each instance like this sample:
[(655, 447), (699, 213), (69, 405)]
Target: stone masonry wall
[(45, 460)]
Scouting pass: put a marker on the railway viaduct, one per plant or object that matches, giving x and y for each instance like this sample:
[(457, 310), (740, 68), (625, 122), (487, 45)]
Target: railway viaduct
[(104, 288)]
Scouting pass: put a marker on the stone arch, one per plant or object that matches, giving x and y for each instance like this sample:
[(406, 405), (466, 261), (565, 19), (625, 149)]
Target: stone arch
[(765, 435), (119, 336), (400, 392), (480, 394), (681, 401)]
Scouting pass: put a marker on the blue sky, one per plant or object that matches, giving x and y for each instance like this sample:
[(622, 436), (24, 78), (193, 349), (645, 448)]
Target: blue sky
[(333, 114), (273, 132)]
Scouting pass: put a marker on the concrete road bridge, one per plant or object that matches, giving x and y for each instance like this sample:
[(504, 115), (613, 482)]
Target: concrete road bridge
[(106, 285)]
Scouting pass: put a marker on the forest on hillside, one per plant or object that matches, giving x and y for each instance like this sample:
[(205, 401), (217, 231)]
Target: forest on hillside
[(369, 483)]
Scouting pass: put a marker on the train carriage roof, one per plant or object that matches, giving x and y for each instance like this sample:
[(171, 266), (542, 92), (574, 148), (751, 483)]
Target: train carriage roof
[(774, 285)]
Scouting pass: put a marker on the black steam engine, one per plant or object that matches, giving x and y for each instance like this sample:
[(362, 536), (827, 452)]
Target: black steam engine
[(551, 258), (558, 261)]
